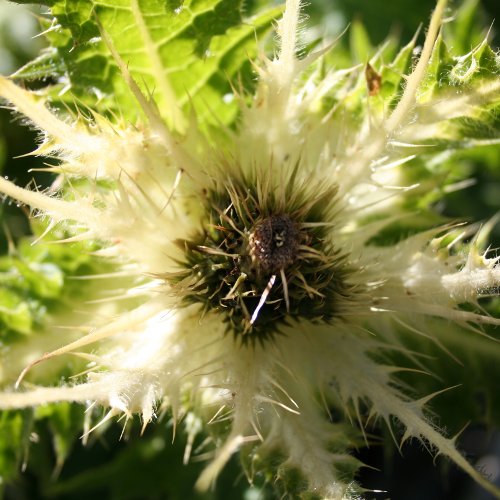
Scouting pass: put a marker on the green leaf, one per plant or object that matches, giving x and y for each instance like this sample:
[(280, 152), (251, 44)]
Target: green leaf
[(467, 29), (361, 48), (37, 280), (438, 69), (186, 54), (393, 74), (15, 312), (468, 71), (46, 66)]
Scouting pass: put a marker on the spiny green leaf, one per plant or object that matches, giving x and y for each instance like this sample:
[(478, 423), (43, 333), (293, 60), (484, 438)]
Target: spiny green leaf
[(359, 41), (393, 74), (184, 54), (438, 69), (465, 72), (46, 66), (467, 29), (477, 64)]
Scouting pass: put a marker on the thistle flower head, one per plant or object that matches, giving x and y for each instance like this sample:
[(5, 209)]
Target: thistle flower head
[(252, 286), (265, 256)]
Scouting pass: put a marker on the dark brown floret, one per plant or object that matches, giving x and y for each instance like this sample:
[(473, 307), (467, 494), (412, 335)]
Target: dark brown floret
[(274, 243)]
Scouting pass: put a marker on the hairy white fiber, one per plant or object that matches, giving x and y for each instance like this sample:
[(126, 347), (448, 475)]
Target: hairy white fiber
[(158, 350)]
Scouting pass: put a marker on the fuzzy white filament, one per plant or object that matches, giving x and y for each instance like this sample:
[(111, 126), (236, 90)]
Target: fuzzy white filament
[(169, 339)]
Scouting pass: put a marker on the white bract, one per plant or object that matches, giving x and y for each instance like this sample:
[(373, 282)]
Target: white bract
[(275, 340)]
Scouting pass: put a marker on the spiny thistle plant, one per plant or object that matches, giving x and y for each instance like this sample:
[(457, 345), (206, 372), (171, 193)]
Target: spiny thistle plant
[(248, 244)]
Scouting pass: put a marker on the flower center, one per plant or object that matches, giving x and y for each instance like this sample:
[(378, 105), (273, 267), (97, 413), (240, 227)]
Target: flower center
[(262, 261), (274, 243)]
